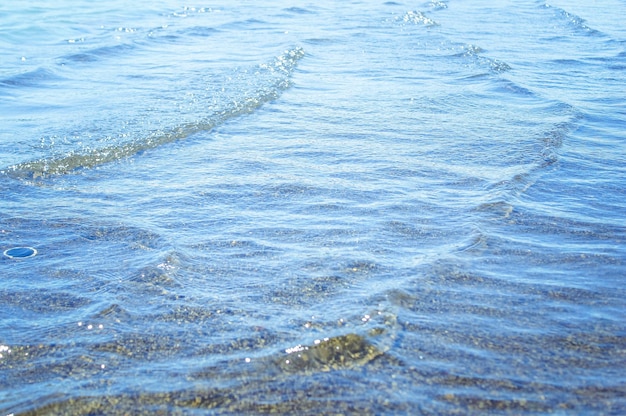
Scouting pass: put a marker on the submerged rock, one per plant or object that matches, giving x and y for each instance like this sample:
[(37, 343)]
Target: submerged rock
[(345, 351)]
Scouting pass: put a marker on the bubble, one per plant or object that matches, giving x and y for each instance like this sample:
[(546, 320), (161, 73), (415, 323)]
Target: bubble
[(20, 252)]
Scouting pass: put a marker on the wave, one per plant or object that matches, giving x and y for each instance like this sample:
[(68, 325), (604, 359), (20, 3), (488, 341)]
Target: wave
[(468, 52), (473, 53), (31, 78), (417, 18), (96, 54), (578, 23), (279, 72)]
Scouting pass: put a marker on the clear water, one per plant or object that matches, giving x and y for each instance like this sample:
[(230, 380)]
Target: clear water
[(349, 207)]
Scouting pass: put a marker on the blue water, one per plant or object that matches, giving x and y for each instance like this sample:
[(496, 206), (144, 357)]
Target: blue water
[(361, 207)]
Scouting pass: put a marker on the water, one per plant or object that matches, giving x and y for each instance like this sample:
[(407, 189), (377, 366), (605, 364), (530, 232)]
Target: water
[(361, 207)]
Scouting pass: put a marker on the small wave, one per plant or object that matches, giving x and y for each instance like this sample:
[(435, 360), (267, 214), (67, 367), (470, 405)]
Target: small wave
[(437, 4), (97, 53), (578, 23), (510, 86), (298, 10), (187, 11), (474, 52), (279, 72), (499, 203), (31, 78), (417, 18), (201, 31)]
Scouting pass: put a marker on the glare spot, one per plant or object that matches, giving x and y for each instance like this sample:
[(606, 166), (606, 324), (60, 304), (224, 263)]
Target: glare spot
[(4, 348), (297, 348)]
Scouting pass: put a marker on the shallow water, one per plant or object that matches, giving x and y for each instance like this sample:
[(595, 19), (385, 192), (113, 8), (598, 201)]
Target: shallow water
[(363, 207)]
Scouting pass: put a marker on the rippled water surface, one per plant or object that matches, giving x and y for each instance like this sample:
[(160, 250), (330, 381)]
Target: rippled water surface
[(325, 207)]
